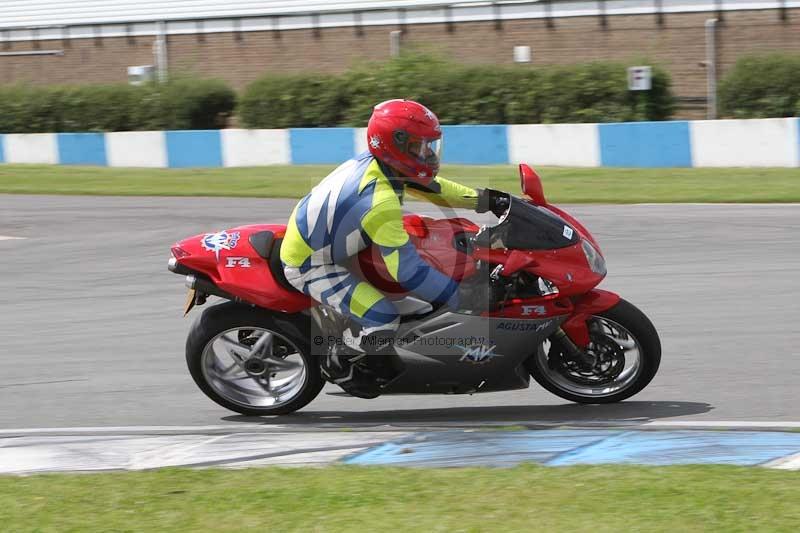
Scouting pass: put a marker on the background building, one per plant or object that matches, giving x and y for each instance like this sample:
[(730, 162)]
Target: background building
[(86, 41)]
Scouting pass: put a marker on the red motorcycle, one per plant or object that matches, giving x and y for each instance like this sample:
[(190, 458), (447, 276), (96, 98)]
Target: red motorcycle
[(529, 308)]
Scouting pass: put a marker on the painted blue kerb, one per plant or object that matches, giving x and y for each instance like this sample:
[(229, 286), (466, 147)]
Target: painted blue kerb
[(797, 123), (475, 145), (189, 149), (560, 447), (321, 145), (631, 144), (82, 149), (645, 144)]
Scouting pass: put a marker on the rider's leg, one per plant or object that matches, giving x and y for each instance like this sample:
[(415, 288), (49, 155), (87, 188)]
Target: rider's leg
[(375, 315)]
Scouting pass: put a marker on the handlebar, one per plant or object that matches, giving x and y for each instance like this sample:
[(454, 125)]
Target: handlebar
[(497, 202)]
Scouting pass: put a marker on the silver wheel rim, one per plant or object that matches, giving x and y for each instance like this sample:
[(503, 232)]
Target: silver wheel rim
[(225, 360), (630, 372)]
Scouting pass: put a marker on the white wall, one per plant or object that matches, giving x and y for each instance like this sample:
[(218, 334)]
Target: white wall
[(41, 148), (573, 145), (137, 149), (770, 142), (250, 148), (721, 143), (360, 140)]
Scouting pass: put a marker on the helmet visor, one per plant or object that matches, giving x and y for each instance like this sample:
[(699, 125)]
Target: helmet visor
[(426, 151)]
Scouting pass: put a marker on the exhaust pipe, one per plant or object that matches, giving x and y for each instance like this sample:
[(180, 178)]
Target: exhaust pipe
[(177, 268), (199, 283), (204, 286)]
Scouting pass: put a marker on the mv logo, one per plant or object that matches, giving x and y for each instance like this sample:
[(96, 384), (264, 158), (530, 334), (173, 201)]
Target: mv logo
[(478, 354), (232, 262)]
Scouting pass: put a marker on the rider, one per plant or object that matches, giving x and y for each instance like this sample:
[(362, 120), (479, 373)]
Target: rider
[(358, 205)]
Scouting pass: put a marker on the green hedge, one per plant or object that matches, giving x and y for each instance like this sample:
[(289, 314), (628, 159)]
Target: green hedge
[(595, 92), (762, 86), (293, 101), (183, 103)]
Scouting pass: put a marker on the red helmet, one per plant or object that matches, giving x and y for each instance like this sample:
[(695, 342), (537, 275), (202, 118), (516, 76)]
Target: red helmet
[(406, 136)]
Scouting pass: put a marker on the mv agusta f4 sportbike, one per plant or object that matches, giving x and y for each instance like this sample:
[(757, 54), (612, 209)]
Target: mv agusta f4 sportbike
[(529, 307)]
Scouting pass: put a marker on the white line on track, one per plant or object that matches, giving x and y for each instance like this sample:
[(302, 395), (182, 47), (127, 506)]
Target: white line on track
[(176, 453), (115, 430), (791, 462), (721, 424), (267, 427), (711, 204), (84, 453), (7, 238)]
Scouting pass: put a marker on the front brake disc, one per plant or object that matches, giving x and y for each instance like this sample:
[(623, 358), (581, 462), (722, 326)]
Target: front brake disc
[(609, 362)]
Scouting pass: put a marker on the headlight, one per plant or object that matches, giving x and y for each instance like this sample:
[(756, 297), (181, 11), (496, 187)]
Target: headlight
[(593, 257)]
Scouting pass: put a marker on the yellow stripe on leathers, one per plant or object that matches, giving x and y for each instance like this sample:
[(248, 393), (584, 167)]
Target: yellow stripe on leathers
[(392, 262), (364, 296), (452, 195), (297, 251), (383, 224)]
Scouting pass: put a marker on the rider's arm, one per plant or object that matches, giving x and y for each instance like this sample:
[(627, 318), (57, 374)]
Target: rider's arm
[(445, 193), (383, 224)]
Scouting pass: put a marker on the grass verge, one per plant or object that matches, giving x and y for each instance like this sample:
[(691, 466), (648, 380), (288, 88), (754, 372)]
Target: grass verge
[(526, 498), (562, 185)]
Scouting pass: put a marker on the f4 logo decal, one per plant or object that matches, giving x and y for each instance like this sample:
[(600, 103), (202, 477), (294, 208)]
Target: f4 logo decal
[(534, 309), (232, 262)]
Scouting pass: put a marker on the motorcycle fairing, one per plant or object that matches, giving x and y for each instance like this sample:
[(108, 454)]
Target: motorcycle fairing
[(238, 268), (465, 353), (533, 308), (566, 267), (441, 243), (572, 221)]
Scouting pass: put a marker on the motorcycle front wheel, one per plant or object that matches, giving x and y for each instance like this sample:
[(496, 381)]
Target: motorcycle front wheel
[(252, 361), (626, 351)]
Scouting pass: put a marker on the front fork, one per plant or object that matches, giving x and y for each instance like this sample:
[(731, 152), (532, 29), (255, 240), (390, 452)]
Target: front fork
[(575, 353), (574, 333)]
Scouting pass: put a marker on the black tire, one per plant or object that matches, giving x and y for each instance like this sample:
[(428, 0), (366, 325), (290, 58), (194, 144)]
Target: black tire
[(631, 318), (222, 317)]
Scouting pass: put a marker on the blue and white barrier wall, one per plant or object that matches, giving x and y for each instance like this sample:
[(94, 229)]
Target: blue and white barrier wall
[(701, 143)]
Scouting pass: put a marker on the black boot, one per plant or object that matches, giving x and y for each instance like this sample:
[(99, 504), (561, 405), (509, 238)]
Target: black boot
[(363, 372), (382, 359)]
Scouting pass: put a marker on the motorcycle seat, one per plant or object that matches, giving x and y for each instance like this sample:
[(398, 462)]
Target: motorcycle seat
[(262, 243), (268, 247)]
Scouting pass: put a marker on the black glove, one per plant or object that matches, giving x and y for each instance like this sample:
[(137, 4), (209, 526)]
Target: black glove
[(491, 200)]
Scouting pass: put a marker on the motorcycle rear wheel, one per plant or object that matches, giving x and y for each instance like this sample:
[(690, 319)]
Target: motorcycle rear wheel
[(282, 377), (628, 350)]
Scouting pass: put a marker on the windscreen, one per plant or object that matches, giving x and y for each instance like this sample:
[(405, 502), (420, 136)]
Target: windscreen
[(528, 227)]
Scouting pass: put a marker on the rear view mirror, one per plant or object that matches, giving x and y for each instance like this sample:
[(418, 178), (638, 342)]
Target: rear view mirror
[(531, 184)]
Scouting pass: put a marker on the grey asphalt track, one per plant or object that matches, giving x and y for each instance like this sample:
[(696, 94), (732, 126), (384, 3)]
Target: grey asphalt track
[(92, 333)]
